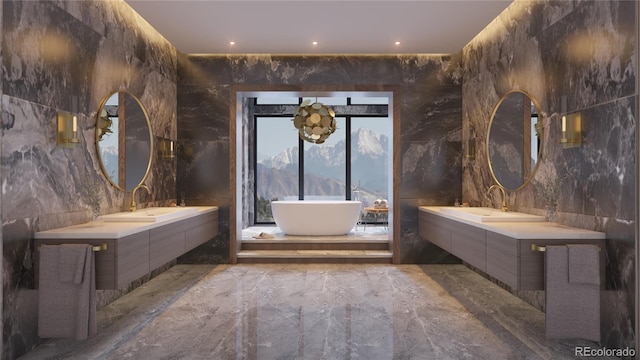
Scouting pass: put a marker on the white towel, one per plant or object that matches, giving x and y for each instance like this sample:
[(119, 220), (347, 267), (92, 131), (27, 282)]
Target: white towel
[(66, 308)]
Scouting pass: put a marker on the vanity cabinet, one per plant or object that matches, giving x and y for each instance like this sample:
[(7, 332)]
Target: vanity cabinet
[(468, 243), (125, 259), (513, 262), (436, 230), (508, 259), (461, 240), (130, 257)]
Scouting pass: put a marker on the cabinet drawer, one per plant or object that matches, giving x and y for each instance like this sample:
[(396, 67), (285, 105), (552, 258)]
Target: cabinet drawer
[(502, 243), (502, 258), (132, 258), (166, 247), (435, 229), (200, 234), (468, 243)]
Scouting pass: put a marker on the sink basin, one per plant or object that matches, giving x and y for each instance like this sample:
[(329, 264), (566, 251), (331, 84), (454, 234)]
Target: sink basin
[(149, 214), (485, 214)]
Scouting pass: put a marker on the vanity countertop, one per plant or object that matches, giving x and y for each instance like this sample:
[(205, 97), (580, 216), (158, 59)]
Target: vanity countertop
[(523, 230), (112, 230)]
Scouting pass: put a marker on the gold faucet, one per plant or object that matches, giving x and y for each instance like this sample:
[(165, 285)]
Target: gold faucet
[(505, 207), (133, 195)]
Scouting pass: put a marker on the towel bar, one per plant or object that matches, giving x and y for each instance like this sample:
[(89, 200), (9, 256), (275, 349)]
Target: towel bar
[(540, 248), (95, 248)]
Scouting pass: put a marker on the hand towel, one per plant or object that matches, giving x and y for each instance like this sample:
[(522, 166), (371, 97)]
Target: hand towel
[(66, 309), (71, 263), (572, 310), (584, 267)]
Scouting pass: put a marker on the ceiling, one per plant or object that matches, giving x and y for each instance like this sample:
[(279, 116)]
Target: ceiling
[(339, 27)]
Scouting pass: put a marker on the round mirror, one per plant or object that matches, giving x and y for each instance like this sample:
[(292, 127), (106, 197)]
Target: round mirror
[(124, 140), (514, 140)]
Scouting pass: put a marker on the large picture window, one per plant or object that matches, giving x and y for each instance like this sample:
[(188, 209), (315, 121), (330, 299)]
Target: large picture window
[(353, 164)]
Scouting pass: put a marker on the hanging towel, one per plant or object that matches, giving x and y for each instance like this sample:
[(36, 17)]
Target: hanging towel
[(66, 294), (584, 264), (572, 310)]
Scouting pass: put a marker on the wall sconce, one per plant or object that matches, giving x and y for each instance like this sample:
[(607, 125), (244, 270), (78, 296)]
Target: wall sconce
[(168, 148), (67, 130), (571, 131), (471, 149)]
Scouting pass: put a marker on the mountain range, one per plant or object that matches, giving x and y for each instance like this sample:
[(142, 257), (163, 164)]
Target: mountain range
[(325, 168)]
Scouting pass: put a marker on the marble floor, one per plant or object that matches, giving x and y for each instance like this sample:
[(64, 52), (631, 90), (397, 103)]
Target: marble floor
[(316, 311)]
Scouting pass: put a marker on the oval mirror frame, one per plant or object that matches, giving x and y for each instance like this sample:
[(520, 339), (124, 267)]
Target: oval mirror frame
[(105, 128), (514, 105)]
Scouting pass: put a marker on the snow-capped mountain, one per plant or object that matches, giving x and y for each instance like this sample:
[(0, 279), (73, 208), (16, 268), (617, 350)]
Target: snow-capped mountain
[(325, 168)]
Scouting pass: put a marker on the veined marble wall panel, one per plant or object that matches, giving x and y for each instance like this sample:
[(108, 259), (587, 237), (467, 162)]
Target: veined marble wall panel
[(55, 52), (1, 121), (430, 88), (583, 52)]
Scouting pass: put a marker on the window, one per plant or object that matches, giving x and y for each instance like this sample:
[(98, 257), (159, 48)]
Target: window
[(353, 162), (276, 174)]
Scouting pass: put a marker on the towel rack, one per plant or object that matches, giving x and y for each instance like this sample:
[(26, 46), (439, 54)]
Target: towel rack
[(540, 248), (102, 247), (94, 248)]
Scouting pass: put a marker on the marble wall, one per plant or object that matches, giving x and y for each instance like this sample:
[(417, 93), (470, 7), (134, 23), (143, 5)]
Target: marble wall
[(430, 138), (54, 54), (584, 52)]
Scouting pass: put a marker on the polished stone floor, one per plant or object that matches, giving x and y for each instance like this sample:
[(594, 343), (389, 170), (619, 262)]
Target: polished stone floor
[(316, 311)]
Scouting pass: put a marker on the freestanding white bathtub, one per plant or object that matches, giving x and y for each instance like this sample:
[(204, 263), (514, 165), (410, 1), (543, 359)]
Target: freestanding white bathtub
[(316, 217)]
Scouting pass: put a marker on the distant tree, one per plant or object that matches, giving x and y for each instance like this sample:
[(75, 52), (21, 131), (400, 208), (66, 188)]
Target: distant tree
[(263, 209)]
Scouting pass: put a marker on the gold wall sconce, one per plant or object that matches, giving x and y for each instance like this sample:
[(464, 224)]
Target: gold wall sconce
[(571, 136), (168, 148), (470, 152), (67, 130)]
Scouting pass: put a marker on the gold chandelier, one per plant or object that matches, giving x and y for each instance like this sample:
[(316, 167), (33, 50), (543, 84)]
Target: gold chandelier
[(315, 122)]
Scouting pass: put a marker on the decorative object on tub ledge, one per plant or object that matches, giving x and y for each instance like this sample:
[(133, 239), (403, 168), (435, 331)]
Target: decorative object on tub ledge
[(263, 235), (67, 130), (315, 122), (381, 204)]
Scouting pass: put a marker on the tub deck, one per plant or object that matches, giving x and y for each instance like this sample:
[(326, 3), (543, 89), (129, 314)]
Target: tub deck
[(359, 246)]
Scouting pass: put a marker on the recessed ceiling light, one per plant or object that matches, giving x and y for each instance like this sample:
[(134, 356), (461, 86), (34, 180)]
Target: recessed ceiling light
[(232, 43), (315, 43), (397, 43)]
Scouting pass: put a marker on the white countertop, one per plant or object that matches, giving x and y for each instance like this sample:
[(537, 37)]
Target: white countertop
[(112, 230), (523, 230)]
